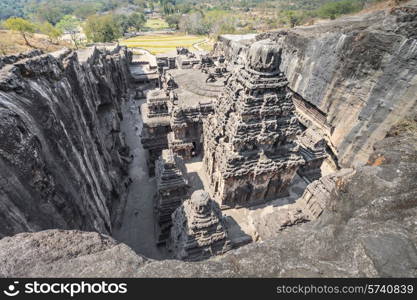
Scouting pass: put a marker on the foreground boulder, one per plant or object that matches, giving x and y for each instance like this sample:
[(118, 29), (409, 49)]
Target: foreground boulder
[(57, 253)]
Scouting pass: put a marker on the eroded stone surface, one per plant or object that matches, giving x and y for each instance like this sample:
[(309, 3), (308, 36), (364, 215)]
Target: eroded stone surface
[(251, 153), (63, 158), (354, 223), (368, 229), (198, 230), (358, 72), (59, 253), (172, 189)]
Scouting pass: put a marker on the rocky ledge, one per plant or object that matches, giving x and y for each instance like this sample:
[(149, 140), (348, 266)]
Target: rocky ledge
[(61, 150)]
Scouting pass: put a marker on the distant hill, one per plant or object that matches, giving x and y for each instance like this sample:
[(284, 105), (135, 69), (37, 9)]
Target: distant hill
[(26, 8), (12, 8)]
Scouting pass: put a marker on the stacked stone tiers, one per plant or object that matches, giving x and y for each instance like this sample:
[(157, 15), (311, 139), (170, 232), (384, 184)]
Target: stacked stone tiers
[(313, 150), (251, 147), (198, 230), (172, 189)]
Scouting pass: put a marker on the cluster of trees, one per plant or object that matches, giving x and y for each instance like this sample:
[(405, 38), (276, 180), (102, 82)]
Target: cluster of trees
[(192, 16), (213, 22), (10, 8), (55, 18), (97, 28), (333, 10), (212, 17), (107, 28), (54, 10), (68, 24), (329, 10)]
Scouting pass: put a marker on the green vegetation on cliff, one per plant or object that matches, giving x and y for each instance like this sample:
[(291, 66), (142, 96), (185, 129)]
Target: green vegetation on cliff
[(108, 20)]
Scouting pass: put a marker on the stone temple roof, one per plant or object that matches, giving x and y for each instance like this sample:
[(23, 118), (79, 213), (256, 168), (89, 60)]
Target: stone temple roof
[(153, 122), (193, 89)]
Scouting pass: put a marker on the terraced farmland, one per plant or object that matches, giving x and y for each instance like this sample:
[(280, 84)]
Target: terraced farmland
[(164, 43)]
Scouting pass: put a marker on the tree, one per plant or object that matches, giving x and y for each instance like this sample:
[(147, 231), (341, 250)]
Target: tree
[(140, 3), (133, 21), (70, 25), (333, 10), (123, 21), (102, 28), (168, 6), (220, 22), (51, 31), (24, 27), (292, 17), (194, 24), (173, 21), (49, 12), (137, 20), (87, 9)]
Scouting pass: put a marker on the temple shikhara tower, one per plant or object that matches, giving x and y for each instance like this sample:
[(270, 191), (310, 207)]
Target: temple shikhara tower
[(251, 152), (198, 229)]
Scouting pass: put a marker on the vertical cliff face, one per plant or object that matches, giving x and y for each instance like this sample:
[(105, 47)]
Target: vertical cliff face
[(61, 150), (359, 71)]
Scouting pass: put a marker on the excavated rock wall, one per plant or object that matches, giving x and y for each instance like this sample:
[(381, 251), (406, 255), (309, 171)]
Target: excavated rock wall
[(367, 229), (361, 71), (368, 224), (60, 145)]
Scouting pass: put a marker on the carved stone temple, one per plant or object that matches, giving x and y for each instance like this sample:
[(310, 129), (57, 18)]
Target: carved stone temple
[(234, 131), (173, 114), (250, 142), (198, 229), (156, 124), (172, 189)]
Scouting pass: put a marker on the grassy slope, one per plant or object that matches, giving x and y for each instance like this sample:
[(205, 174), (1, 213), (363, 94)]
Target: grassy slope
[(156, 24), (11, 43)]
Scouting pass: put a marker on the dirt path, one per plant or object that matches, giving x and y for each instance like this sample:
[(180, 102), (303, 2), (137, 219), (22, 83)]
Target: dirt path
[(137, 229), (197, 45)]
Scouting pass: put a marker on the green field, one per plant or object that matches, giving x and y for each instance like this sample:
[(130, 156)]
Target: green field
[(156, 24), (164, 43)]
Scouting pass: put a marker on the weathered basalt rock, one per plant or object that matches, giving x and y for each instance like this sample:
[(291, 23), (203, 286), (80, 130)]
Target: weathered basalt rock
[(358, 71), (367, 230), (198, 230), (61, 150), (366, 225), (71, 253), (313, 150), (251, 153), (172, 189)]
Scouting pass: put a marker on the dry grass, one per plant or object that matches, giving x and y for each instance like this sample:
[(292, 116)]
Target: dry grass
[(382, 5), (12, 43), (407, 126)]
